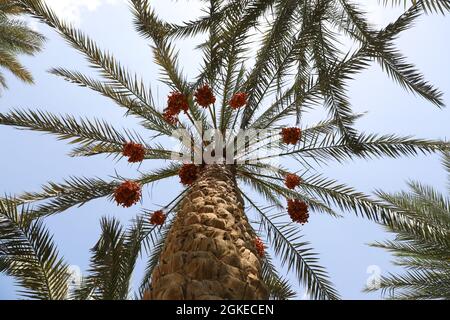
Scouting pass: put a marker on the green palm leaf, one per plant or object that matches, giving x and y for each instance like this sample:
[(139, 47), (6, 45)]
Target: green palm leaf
[(29, 255), (112, 264), (297, 256), (421, 244)]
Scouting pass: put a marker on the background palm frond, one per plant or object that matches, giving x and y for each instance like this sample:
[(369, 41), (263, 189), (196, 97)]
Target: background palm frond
[(16, 37), (112, 264), (29, 255), (441, 6), (421, 244)]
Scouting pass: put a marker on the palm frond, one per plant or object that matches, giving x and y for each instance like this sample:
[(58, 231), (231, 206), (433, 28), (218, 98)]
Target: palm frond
[(72, 192), (297, 256), (416, 285), (16, 38), (104, 271), (263, 185), (276, 47), (153, 120), (93, 136), (366, 146), (331, 192), (418, 221), (77, 191), (150, 26), (83, 131), (421, 244), (29, 255), (11, 63), (153, 260), (391, 59), (431, 6), (110, 69), (279, 287)]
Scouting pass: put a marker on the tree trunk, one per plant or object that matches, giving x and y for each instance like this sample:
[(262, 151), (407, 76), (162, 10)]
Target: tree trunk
[(209, 252)]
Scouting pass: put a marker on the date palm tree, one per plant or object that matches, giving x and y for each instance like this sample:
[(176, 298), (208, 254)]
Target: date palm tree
[(16, 38), (209, 241), (422, 246)]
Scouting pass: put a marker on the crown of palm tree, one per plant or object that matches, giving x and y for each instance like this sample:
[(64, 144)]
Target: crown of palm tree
[(16, 38), (298, 66)]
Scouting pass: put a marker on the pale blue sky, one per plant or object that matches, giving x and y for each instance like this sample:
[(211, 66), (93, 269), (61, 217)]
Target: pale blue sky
[(30, 159)]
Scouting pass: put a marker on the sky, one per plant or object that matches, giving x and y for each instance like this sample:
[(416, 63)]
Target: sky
[(31, 159)]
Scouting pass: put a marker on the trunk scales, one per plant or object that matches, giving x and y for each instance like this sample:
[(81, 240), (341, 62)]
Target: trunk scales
[(209, 252)]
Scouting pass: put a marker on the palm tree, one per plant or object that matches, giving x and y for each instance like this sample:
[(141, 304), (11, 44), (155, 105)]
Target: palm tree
[(204, 244), (16, 38), (421, 245)]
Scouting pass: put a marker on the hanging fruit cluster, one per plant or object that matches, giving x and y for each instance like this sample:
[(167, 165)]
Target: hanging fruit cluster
[(204, 96), (239, 100), (158, 218), (134, 151), (292, 181), (188, 174), (259, 245), (291, 135), (170, 118), (176, 102), (128, 194), (298, 210)]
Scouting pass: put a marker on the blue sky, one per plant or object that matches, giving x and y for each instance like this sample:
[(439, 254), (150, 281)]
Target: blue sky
[(31, 159)]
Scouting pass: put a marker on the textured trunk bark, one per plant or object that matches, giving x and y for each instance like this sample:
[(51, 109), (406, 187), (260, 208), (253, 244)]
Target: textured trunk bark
[(209, 252)]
